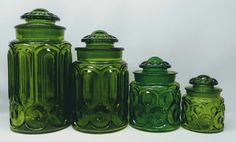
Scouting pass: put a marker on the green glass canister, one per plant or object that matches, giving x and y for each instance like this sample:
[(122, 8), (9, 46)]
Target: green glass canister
[(39, 63), (100, 85), (203, 107), (154, 97)]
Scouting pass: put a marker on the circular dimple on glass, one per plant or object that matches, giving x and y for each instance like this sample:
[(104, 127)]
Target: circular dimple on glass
[(148, 98), (157, 117), (205, 121), (57, 116), (100, 117), (16, 115), (36, 117)]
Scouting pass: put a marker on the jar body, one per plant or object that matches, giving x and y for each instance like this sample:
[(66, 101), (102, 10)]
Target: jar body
[(100, 95), (39, 75), (155, 108), (203, 114)]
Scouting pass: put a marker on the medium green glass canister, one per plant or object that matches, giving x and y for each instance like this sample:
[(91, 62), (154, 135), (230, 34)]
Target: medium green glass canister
[(155, 97), (39, 63), (203, 107), (100, 85)]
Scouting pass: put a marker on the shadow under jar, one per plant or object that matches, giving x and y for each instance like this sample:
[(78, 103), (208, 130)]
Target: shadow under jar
[(154, 97), (39, 64), (100, 85)]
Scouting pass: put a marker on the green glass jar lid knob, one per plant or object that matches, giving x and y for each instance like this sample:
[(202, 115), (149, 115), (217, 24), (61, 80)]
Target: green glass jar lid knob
[(40, 14), (203, 84), (99, 39), (203, 80), (155, 71), (154, 64)]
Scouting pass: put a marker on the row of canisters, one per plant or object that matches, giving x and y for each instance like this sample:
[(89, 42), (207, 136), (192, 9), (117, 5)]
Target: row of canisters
[(48, 92)]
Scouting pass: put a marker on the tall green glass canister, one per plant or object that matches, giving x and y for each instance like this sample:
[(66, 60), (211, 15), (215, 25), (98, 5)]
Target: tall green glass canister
[(155, 97), (100, 85), (203, 107), (39, 63)]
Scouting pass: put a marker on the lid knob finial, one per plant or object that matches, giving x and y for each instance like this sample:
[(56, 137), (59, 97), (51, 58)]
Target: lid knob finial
[(40, 14), (203, 80), (155, 64), (99, 39)]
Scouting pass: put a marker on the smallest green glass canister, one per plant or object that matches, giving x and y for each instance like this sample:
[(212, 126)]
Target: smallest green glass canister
[(155, 97), (203, 107)]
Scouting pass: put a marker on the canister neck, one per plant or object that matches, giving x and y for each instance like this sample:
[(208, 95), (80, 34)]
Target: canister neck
[(39, 32), (102, 55)]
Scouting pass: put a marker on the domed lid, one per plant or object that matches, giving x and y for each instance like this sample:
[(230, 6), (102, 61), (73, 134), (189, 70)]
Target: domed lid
[(154, 65), (203, 84), (99, 46), (40, 25), (155, 72), (99, 39), (41, 14)]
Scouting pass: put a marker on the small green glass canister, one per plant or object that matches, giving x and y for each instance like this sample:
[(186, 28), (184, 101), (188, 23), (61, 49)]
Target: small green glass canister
[(100, 85), (203, 107), (155, 97), (39, 63)]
